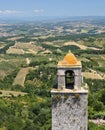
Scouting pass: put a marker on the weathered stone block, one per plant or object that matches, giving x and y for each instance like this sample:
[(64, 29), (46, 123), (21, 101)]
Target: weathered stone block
[(69, 111)]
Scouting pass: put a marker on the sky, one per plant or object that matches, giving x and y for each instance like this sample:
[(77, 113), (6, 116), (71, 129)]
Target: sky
[(45, 8)]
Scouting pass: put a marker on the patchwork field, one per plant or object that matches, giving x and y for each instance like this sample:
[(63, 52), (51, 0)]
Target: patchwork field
[(92, 75), (2, 74), (83, 47), (20, 78), (24, 48)]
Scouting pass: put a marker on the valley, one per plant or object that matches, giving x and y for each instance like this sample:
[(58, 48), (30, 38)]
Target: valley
[(29, 53)]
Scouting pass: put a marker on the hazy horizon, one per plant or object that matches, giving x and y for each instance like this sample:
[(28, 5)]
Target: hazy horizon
[(47, 18)]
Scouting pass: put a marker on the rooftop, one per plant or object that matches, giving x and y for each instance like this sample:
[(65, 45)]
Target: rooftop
[(69, 60)]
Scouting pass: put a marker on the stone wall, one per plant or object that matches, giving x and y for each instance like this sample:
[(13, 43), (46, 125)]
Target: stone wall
[(69, 111)]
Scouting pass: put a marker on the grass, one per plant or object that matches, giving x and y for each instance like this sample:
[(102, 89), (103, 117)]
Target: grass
[(2, 74), (20, 78), (76, 44), (6, 66), (92, 75), (84, 31), (9, 62), (4, 128), (5, 93), (22, 48), (15, 51)]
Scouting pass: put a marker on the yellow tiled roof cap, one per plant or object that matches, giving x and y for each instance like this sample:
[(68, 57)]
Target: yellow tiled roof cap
[(69, 59)]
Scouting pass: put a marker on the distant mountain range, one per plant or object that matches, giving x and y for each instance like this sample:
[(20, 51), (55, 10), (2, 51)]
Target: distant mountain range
[(49, 18)]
